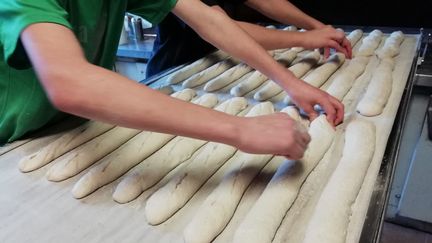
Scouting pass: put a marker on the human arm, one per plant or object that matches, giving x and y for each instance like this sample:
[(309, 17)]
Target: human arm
[(75, 86), (217, 28), (285, 12)]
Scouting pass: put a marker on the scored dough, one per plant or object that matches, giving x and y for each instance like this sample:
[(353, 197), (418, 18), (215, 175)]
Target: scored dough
[(218, 208), (391, 46), (196, 67), (257, 78), (227, 77), (378, 90), (320, 75), (88, 153), (370, 43), (355, 36), (62, 145), (299, 69), (345, 79), (155, 167), (127, 156), (263, 220), (331, 215), (209, 73)]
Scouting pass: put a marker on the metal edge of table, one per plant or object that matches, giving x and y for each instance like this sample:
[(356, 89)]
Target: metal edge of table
[(372, 227)]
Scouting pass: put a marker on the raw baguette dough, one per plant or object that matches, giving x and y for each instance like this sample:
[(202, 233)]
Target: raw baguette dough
[(127, 156), (218, 208), (370, 43), (257, 78), (196, 67), (345, 79), (331, 216), (299, 69), (227, 77), (252, 82), (87, 154), (263, 220), (355, 36), (391, 46), (378, 90), (318, 76), (174, 195), (62, 145), (209, 73), (154, 168)]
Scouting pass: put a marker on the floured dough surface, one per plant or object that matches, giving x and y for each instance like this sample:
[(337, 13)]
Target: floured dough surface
[(331, 216), (378, 91), (263, 220)]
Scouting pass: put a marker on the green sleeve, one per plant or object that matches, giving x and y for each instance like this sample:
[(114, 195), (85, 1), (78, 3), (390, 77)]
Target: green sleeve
[(151, 10), (15, 16)]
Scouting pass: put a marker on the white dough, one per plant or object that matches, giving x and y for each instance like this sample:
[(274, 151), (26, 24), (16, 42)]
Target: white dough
[(196, 67), (218, 208), (227, 77), (329, 221), (209, 73), (299, 69), (155, 167), (370, 43), (321, 74), (257, 78), (174, 195), (355, 36), (252, 82), (343, 82), (127, 156), (65, 143), (263, 220), (318, 76), (391, 46), (378, 90), (88, 153)]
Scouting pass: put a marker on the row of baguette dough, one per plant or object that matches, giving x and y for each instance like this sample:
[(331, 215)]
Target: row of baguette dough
[(96, 130), (316, 78)]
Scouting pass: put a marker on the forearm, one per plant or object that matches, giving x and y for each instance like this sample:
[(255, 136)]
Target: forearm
[(218, 29), (75, 86), (272, 39), (285, 12), (102, 97)]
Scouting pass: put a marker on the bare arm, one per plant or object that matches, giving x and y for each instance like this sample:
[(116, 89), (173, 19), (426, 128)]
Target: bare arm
[(75, 86), (218, 29), (286, 13)]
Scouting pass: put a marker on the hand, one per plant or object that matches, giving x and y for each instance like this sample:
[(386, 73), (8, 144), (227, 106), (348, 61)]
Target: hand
[(327, 37), (273, 134), (306, 97)]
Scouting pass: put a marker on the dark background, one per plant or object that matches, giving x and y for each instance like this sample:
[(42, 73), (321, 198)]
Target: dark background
[(414, 13)]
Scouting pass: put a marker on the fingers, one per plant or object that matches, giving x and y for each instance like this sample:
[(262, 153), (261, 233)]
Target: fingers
[(337, 46), (310, 111), (347, 45), (326, 53), (296, 152), (339, 110)]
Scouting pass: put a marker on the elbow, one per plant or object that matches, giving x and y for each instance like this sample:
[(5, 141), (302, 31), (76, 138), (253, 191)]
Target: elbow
[(62, 92)]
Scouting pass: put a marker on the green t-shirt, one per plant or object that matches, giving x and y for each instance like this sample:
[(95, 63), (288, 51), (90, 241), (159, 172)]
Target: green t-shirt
[(24, 107)]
